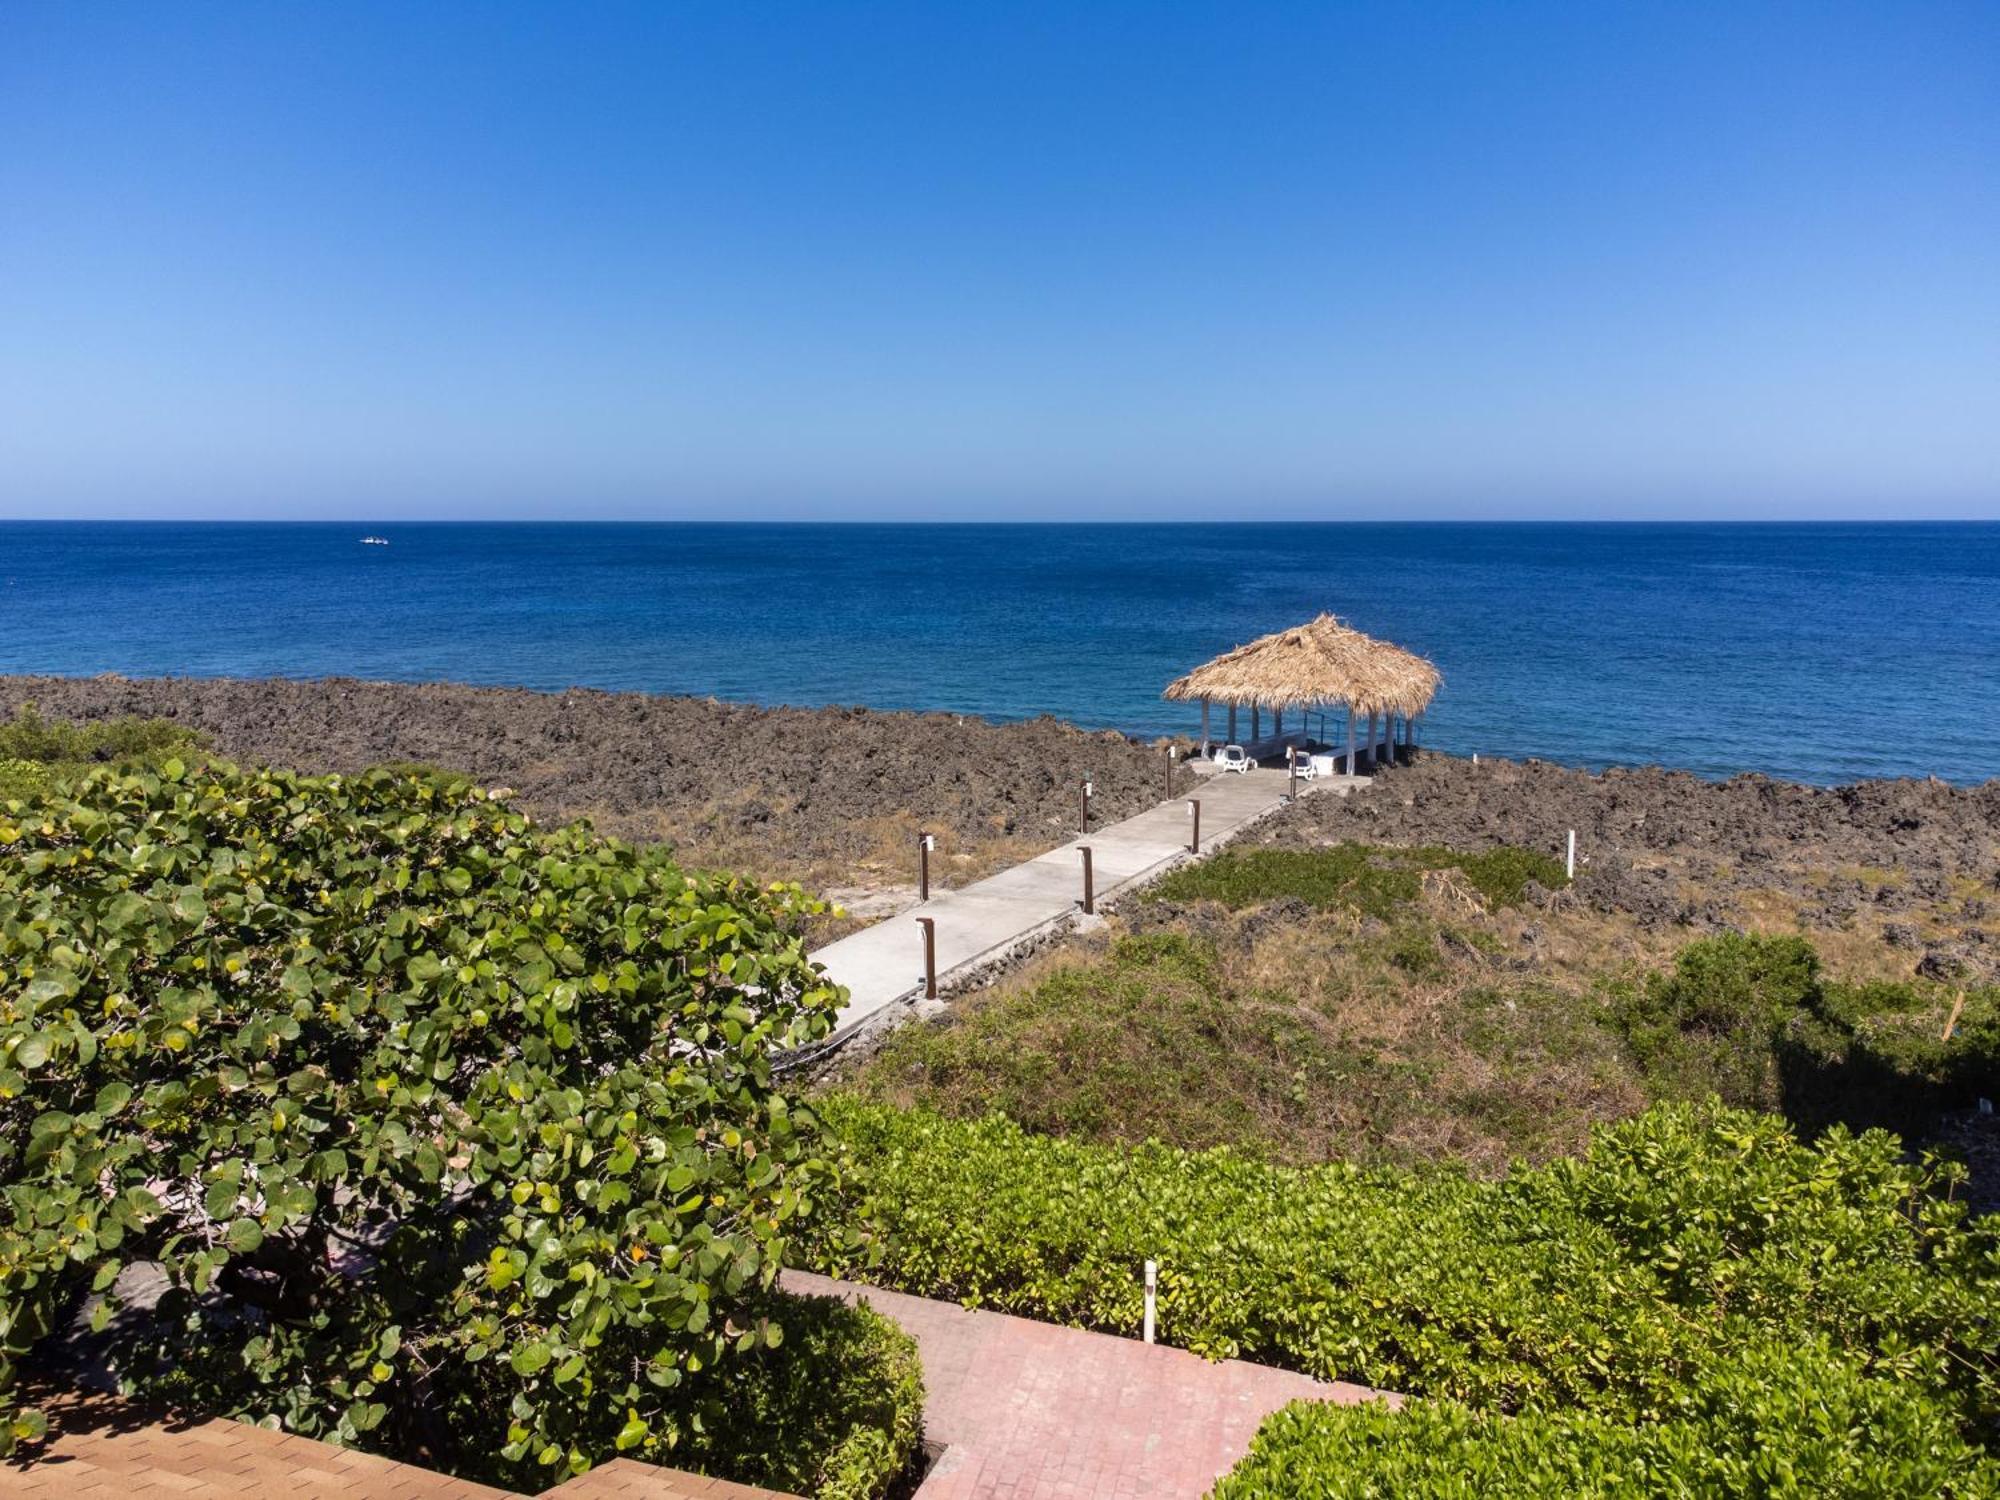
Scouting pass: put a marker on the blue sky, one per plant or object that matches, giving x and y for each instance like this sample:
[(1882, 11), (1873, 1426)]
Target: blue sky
[(951, 261)]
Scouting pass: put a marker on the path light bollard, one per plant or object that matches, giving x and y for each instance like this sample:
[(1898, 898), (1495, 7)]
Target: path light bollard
[(1194, 835), (1569, 860), (1084, 818), (929, 925), (1152, 1296), (1292, 772), (1089, 903), (1171, 754), (925, 843)]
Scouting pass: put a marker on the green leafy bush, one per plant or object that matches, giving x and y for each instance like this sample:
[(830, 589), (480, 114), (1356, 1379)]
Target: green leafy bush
[(37, 754), (835, 1412), (1613, 1281), (29, 739), (454, 1137), (1709, 1026), (1370, 878), (1754, 1020), (21, 778), (1798, 1421)]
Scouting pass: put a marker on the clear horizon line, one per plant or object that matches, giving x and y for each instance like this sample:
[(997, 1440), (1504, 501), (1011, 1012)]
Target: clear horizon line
[(1259, 521)]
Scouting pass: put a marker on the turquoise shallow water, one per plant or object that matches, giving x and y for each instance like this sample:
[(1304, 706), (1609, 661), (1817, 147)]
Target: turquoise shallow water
[(1818, 652)]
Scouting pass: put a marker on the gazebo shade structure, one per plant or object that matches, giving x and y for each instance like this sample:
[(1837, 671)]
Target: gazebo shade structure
[(1321, 664)]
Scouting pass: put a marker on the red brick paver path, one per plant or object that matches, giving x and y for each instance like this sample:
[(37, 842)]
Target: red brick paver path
[(104, 1449), (1031, 1411)]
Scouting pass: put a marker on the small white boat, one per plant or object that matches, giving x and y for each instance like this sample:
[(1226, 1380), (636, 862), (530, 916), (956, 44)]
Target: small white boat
[(374, 541)]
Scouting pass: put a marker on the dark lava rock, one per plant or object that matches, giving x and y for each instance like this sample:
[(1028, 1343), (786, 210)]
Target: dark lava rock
[(803, 782), (1942, 963)]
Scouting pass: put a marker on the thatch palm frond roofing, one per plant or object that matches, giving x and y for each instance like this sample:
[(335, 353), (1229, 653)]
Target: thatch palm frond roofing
[(1314, 665)]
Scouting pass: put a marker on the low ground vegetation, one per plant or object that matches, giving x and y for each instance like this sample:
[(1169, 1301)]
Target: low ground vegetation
[(1376, 879), (1191, 1040), (453, 1138), (1306, 1036)]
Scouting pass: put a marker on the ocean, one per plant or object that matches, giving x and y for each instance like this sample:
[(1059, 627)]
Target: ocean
[(1819, 653)]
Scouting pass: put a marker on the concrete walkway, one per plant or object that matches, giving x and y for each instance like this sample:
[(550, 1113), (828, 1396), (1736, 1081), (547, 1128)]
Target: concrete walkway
[(883, 964), (1031, 1410)]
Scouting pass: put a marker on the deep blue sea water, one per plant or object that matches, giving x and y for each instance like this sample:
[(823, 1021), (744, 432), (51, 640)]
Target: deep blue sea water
[(1817, 652)]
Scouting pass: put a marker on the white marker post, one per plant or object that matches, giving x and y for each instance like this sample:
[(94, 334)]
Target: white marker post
[(1569, 864), (1152, 1296)]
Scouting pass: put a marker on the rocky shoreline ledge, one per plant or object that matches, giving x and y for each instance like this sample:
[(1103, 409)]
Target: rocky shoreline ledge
[(831, 796)]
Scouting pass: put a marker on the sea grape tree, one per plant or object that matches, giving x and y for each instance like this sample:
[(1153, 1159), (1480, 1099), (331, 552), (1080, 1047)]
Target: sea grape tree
[(449, 1135)]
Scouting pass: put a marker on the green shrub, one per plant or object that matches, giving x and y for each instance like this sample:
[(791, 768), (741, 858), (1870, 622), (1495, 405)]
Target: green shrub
[(1796, 1421), (1754, 1020), (452, 1136), (37, 754), (1344, 875), (1711, 1025), (1370, 878), (1612, 1281), (28, 736), (835, 1412)]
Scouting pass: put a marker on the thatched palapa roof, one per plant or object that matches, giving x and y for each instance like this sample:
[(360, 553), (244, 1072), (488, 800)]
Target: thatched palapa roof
[(1315, 665)]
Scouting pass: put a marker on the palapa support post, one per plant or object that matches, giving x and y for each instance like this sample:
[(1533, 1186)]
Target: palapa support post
[(924, 845), (929, 925), (1353, 767), (1089, 896), (1194, 837)]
